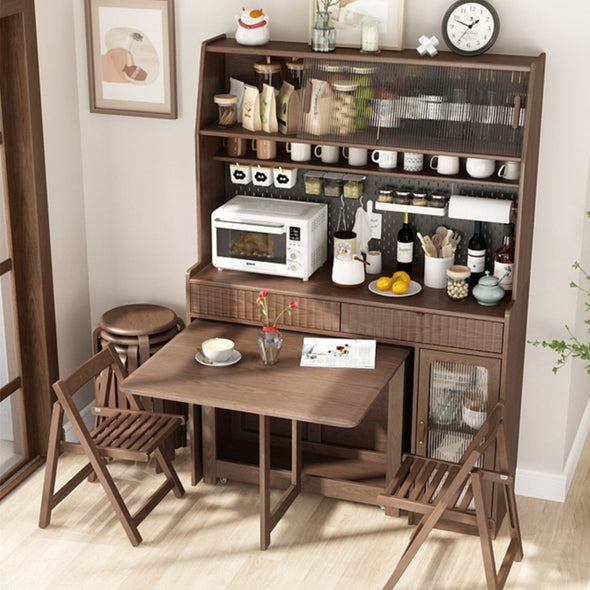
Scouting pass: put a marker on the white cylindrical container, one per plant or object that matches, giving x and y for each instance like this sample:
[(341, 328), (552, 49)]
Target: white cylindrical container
[(435, 271), (370, 36)]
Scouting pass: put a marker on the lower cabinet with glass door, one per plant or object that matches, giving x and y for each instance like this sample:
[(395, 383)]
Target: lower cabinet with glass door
[(455, 393)]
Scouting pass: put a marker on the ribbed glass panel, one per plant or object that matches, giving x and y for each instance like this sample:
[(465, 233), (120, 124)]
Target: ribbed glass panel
[(406, 106)]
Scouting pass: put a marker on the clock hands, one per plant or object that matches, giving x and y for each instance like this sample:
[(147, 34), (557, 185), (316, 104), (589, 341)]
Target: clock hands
[(469, 27)]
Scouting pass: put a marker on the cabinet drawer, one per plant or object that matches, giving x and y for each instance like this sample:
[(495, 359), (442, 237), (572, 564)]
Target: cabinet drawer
[(423, 328), (232, 303)]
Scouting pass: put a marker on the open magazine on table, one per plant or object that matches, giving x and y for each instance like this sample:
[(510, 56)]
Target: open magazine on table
[(338, 352)]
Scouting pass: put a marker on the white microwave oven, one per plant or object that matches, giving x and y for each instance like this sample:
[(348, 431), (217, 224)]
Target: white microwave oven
[(270, 236)]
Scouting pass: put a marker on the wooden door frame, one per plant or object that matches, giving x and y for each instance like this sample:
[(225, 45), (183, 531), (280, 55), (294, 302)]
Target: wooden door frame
[(28, 215)]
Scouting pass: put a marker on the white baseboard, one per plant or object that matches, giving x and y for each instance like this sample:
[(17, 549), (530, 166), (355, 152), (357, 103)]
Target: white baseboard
[(554, 486), (88, 418)]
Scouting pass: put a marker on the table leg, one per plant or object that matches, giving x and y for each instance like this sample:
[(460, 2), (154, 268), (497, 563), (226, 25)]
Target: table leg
[(209, 438), (194, 424), (269, 516)]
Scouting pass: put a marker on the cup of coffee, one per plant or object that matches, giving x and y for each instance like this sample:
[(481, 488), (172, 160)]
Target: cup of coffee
[(328, 154), (235, 146), (384, 159), (509, 170), (413, 162), (445, 164), (480, 167), (300, 152), (356, 156), (374, 262), (266, 149), (344, 244)]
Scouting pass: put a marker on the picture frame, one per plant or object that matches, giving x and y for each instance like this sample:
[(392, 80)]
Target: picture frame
[(348, 15), (131, 57)]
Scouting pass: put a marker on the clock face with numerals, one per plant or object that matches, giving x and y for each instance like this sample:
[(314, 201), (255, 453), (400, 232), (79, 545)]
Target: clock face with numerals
[(470, 28)]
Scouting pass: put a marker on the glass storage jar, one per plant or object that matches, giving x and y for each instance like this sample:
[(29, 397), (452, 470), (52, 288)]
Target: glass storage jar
[(314, 183), (331, 72), (295, 73), (226, 107), (402, 196), (354, 185), (385, 195), (333, 184), (344, 107), (419, 198), (438, 200), (364, 76), (270, 73), (458, 282)]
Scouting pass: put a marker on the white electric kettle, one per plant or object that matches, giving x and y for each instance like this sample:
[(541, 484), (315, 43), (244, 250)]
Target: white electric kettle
[(348, 271)]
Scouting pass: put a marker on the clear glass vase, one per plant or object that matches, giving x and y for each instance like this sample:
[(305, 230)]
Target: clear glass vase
[(269, 344), (323, 33)]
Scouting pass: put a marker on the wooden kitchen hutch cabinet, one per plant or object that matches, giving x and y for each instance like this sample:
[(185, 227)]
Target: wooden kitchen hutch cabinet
[(464, 354)]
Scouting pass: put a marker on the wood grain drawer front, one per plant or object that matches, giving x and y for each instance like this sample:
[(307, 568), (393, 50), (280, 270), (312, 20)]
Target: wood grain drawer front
[(223, 302), (423, 328)]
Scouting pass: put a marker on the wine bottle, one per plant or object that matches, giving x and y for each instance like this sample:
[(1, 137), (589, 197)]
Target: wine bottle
[(504, 259), (405, 246), (476, 255)]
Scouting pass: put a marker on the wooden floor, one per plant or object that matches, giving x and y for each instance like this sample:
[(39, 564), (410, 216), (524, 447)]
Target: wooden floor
[(208, 540)]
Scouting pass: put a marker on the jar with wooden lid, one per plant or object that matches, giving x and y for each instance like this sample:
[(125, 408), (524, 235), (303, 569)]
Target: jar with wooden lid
[(344, 107), (295, 73), (269, 72), (226, 107), (458, 282)]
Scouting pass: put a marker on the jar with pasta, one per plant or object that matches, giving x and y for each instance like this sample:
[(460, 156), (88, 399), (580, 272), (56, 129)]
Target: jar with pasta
[(344, 107)]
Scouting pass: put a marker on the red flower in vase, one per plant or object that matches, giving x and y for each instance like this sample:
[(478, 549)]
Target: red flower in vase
[(267, 324)]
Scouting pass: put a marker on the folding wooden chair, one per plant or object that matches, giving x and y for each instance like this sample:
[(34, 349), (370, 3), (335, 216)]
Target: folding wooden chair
[(438, 489), (131, 434)]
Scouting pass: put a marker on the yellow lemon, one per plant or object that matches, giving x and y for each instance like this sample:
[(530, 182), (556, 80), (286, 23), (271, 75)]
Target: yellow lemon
[(402, 275), (384, 283), (399, 286)]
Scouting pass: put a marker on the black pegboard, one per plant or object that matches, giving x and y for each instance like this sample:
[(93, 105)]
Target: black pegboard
[(392, 221)]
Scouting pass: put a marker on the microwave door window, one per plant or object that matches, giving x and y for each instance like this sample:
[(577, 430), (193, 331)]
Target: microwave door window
[(249, 245)]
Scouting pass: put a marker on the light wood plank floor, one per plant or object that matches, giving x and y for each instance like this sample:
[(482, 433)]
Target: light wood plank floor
[(208, 540)]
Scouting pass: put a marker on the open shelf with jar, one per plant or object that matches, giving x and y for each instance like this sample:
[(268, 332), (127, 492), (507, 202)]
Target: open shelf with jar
[(486, 107)]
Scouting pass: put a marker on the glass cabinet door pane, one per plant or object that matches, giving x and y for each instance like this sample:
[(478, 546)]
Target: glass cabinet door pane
[(457, 407)]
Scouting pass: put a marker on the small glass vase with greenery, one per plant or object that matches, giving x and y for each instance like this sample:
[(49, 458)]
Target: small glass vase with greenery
[(323, 33), (572, 346)]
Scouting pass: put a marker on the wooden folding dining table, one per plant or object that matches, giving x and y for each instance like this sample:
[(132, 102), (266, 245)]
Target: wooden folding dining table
[(337, 397)]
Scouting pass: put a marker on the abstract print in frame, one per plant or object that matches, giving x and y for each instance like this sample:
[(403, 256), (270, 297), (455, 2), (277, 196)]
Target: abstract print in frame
[(131, 57)]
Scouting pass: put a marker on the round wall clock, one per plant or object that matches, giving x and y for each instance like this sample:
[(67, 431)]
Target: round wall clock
[(470, 27)]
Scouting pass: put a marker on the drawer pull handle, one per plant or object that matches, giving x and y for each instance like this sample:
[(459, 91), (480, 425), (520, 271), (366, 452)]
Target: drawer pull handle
[(421, 432)]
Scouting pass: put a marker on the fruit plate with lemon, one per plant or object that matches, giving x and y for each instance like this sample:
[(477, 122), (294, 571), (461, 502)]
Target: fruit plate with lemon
[(399, 285)]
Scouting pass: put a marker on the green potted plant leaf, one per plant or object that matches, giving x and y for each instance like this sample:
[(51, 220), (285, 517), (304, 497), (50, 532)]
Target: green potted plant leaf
[(572, 346)]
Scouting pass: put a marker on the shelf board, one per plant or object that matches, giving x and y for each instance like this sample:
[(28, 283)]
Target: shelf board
[(316, 164), (389, 140)]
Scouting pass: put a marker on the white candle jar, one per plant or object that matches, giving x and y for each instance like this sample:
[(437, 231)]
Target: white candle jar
[(370, 36)]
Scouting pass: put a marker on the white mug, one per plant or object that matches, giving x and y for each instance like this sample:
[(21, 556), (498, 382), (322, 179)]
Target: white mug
[(284, 177), (240, 174), (509, 170), (329, 154), (300, 152), (385, 159), (445, 164), (374, 262), (413, 161), (356, 156), (261, 175), (480, 167)]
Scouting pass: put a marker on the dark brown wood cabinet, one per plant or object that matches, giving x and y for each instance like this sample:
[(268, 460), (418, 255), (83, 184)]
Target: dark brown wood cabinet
[(484, 344)]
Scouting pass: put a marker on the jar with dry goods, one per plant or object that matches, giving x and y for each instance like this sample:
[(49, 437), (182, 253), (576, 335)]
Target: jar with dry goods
[(458, 282), (226, 106), (438, 200), (419, 198), (295, 73), (314, 183), (343, 118), (354, 185), (333, 184), (385, 195), (402, 196)]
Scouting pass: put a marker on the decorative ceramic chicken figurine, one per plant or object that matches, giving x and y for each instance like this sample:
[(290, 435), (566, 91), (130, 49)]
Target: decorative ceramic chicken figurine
[(252, 27)]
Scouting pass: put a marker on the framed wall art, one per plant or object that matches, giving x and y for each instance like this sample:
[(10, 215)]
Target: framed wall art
[(347, 16), (131, 57)]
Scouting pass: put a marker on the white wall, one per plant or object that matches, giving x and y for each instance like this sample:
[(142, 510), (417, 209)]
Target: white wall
[(133, 189)]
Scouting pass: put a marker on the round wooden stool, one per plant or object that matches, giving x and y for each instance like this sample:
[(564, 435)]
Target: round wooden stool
[(137, 331)]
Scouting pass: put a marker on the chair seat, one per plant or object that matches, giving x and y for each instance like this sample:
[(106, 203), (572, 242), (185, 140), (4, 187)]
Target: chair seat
[(129, 434)]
